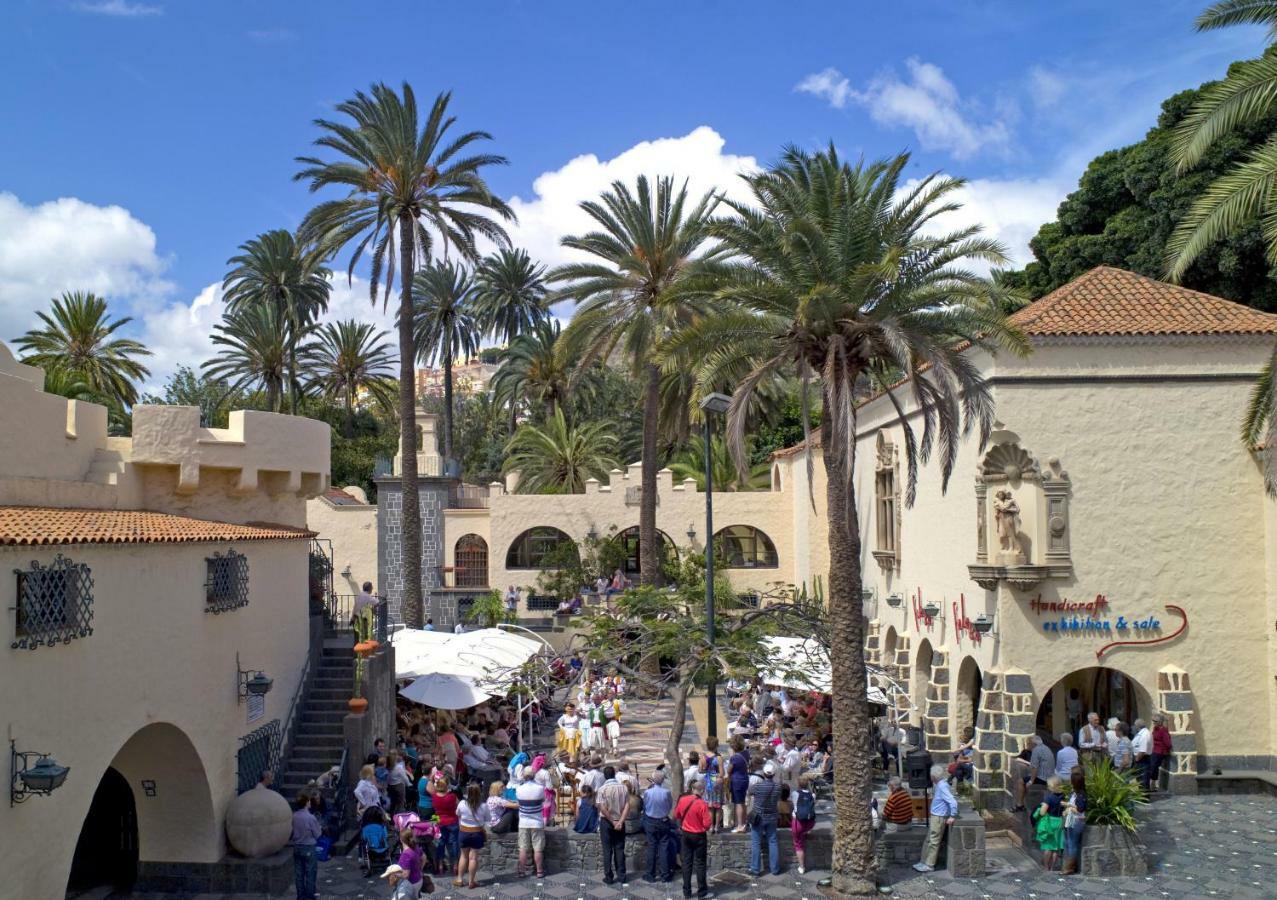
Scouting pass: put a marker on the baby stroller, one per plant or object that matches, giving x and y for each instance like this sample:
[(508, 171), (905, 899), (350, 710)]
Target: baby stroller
[(376, 842)]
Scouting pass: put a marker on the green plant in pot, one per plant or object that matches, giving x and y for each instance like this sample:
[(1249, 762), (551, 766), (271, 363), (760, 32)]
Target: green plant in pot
[(1111, 796)]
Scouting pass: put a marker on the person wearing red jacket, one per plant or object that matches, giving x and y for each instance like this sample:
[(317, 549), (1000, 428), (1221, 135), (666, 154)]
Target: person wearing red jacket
[(692, 814), (1161, 750)]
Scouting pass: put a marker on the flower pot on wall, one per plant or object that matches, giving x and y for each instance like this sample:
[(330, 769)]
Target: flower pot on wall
[(357, 705), (364, 649)]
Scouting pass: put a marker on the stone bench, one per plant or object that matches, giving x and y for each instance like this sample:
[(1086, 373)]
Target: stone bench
[(962, 853), (1238, 781)]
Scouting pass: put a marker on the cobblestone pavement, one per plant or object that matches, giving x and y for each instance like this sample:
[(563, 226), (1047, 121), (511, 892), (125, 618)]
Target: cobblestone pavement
[(1198, 847)]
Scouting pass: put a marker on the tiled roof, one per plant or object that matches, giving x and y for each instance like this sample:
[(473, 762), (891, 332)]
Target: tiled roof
[(1108, 301), (338, 497), (29, 525)]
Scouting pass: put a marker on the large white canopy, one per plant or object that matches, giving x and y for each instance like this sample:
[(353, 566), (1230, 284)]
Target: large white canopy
[(488, 656), (445, 691), (803, 663)]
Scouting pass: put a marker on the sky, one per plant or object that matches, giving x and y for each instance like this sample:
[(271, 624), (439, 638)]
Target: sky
[(144, 140)]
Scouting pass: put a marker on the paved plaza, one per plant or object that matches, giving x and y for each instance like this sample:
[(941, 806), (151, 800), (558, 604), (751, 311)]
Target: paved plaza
[(1217, 846)]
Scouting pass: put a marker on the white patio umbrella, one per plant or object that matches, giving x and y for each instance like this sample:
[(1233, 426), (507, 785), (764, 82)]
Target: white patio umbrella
[(444, 691)]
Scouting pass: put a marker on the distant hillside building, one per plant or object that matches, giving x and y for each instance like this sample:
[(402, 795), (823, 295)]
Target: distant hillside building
[(468, 378)]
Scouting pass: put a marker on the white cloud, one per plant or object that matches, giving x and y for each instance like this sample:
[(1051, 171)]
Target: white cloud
[(67, 244), (926, 102), (120, 8), (554, 211), (1046, 87)]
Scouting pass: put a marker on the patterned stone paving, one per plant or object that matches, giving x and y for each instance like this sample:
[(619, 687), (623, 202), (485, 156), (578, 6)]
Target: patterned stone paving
[(1199, 847)]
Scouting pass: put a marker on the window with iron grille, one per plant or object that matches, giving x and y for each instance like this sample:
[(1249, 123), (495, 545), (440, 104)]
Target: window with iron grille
[(258, 752), (55, 604), (471, 567), (226, 585)]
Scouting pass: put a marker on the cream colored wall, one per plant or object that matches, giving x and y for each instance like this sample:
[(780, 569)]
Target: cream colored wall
[(353, 532), (155, 656), (1270, 568), (603, 506), (1164, 508), (460, 522)]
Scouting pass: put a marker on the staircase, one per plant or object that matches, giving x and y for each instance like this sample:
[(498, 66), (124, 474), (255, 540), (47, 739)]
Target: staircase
[(319, 741)]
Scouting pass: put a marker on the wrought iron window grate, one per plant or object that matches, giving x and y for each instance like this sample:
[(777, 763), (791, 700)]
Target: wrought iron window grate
[(258, 752), (226, 586), (55, 604)]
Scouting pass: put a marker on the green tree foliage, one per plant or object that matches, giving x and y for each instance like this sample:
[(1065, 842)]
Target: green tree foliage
[(690, 463), (488, 610), (253, 352), (445, 327), (510, 294), (78, 338), (1126, 207), (213, 396), (557, 456), (353, 459), (347, 359)]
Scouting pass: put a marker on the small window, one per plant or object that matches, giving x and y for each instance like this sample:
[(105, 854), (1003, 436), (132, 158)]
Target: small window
[(531, 549), (226, 586), (471, 561), (745, 547), (55, 604)]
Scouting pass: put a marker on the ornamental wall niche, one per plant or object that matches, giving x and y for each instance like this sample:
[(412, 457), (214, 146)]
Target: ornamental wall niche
[(888, 508), (1022, 517)]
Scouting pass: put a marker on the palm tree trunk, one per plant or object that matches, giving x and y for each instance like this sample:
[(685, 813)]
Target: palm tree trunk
[(349, 430), (649, 548), (447, 399), (292, 371), (673, 760), (854, 866), (410, 523)]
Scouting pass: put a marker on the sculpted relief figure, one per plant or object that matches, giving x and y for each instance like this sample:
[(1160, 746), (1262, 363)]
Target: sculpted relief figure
[(1006, 517)]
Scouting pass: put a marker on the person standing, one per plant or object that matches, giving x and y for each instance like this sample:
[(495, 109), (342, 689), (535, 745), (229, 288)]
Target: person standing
[(738, 780), (361, 617), (1120, 751), (413, 860), (1067, 759), (613, 803), (657, 805), (944, 810), (791, 759), (1162, 748), (306, 833), (1091, 741), (1074, 821), (397, 781), (472, 815), (804, 819), (531, 798), (692, 815), (711, 766), (763, 795), (1049, 817), (445, 805), (1141, 751), (1041, 760), (613, 709), (570, 730)]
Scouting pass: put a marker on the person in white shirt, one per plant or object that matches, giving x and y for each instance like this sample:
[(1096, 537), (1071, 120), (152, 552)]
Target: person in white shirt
[(1141, 747), (585, 709), (366, 792), (1110, 736), (593, 776), (570, 730), (1091, 739), (531, 797), (459, 628), (612, 710), (1066, 758), (623, 773), (791, 760)]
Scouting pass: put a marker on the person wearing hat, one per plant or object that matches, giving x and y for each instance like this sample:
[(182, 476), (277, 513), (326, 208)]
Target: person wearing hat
[(763, 795), (400, 887)]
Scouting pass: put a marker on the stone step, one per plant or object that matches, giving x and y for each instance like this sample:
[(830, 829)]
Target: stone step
[(318, 716)]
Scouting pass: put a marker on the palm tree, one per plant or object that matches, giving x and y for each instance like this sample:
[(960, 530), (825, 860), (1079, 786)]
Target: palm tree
[(445, 327), (534, 371), (557, 458), (636, 294), (509, 294), (408, 189), (77, 338), (837, 284), (276, 269), (347, 358), (254, 354), (690, 463)]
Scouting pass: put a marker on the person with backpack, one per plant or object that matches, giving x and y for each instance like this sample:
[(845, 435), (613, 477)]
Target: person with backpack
[(804, 819), (693, 816)]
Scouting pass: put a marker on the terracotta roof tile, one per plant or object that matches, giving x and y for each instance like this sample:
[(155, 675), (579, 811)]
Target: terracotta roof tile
[(30, 525), (1108, 301)]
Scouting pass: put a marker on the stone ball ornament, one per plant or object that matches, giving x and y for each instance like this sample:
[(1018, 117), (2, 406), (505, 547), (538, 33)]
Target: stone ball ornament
[(259, 823)]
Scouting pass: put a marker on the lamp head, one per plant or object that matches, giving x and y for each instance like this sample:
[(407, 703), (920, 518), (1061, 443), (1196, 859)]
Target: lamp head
[(716, 403)]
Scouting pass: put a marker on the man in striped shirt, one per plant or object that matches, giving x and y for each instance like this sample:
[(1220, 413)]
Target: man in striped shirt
[(898, 810)]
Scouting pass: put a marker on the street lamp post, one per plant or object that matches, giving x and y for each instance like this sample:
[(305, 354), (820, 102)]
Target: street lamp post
[(713, 403)]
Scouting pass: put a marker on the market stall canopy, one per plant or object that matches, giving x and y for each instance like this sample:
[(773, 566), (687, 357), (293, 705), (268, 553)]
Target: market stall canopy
[(803, 663), (491, 657), (445, 691)]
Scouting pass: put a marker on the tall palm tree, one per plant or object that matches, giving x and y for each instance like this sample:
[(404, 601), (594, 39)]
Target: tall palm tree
[(445, 327), (78, 338), (276, 269), (690, 463), (347, 358), (510, 294), (410, 188), (649, 249), (556, 457), (253, 354), (534, 371), (837, 284)]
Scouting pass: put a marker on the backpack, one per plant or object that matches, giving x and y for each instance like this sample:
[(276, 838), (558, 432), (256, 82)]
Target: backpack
[(805, 807)]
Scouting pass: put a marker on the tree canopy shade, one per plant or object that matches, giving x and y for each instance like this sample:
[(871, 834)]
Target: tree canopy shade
[(411, 187), (346, 359), (837, 282), (1126, 207), (637, 290), (78, 338), (274, 269), (558, 457)]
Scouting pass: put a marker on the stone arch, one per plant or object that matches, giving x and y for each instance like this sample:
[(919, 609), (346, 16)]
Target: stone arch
[(629, 541), (920, 677), (172, 801), (470, 561), (968, 688), (890, 643), (1105, 689)]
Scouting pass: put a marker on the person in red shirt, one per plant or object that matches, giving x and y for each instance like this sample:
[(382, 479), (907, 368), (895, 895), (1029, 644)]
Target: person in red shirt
[(692, 814), (445, 805), (1161, 749)]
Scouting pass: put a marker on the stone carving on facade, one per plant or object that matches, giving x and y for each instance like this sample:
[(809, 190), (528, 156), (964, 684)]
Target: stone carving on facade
[(1027, 506), (888, 509)]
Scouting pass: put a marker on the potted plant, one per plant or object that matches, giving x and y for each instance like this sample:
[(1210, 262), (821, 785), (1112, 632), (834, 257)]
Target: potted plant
[(1109, 846)]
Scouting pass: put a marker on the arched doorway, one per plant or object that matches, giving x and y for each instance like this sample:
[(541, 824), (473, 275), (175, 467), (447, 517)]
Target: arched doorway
[(920, 683), (970, 683), (106, 853), (1100, 689), (629, 539), (470, 556), (889, 643)]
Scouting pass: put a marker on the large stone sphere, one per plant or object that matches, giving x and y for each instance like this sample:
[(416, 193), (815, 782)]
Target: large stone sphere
[(259, 822)]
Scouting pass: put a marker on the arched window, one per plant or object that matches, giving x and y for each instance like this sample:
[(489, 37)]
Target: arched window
[(745, 547), (530, 549), (629, 539), (471, 561)]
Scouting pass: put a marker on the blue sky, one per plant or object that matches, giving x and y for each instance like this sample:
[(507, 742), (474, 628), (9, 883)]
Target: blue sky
[(146, 139)]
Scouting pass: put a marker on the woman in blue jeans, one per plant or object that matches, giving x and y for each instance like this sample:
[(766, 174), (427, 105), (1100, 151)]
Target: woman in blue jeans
[(1074, 821)]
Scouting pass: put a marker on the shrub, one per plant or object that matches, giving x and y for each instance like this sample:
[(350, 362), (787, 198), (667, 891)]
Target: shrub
[(1111, 796)]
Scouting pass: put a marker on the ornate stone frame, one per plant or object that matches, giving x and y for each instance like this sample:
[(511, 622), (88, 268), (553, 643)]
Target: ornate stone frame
[(887, 459)]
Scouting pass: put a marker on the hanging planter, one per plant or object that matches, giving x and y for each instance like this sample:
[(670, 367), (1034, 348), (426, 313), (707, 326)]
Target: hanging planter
[(357, 705)]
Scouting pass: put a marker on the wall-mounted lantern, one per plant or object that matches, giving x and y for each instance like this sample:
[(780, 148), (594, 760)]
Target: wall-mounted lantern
[(983, 623), (252, 682), (26, 780), (894, 600), (931, 609), (691, 533)]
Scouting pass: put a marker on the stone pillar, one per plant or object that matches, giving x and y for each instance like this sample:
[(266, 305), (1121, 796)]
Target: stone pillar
[(1175, 700), (901, 671), (873, 643), (1005, 722), (936, 717)]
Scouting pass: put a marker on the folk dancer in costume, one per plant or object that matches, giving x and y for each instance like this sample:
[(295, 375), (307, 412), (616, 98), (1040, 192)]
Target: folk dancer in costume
[(618, 684), (570, 730), (585, 714), (598, 723), (612, 709)]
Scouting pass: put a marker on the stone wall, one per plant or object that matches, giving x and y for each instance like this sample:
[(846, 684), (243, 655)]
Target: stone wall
[(936, 715), (1175, 700), (377, 721), (1005, 721)]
